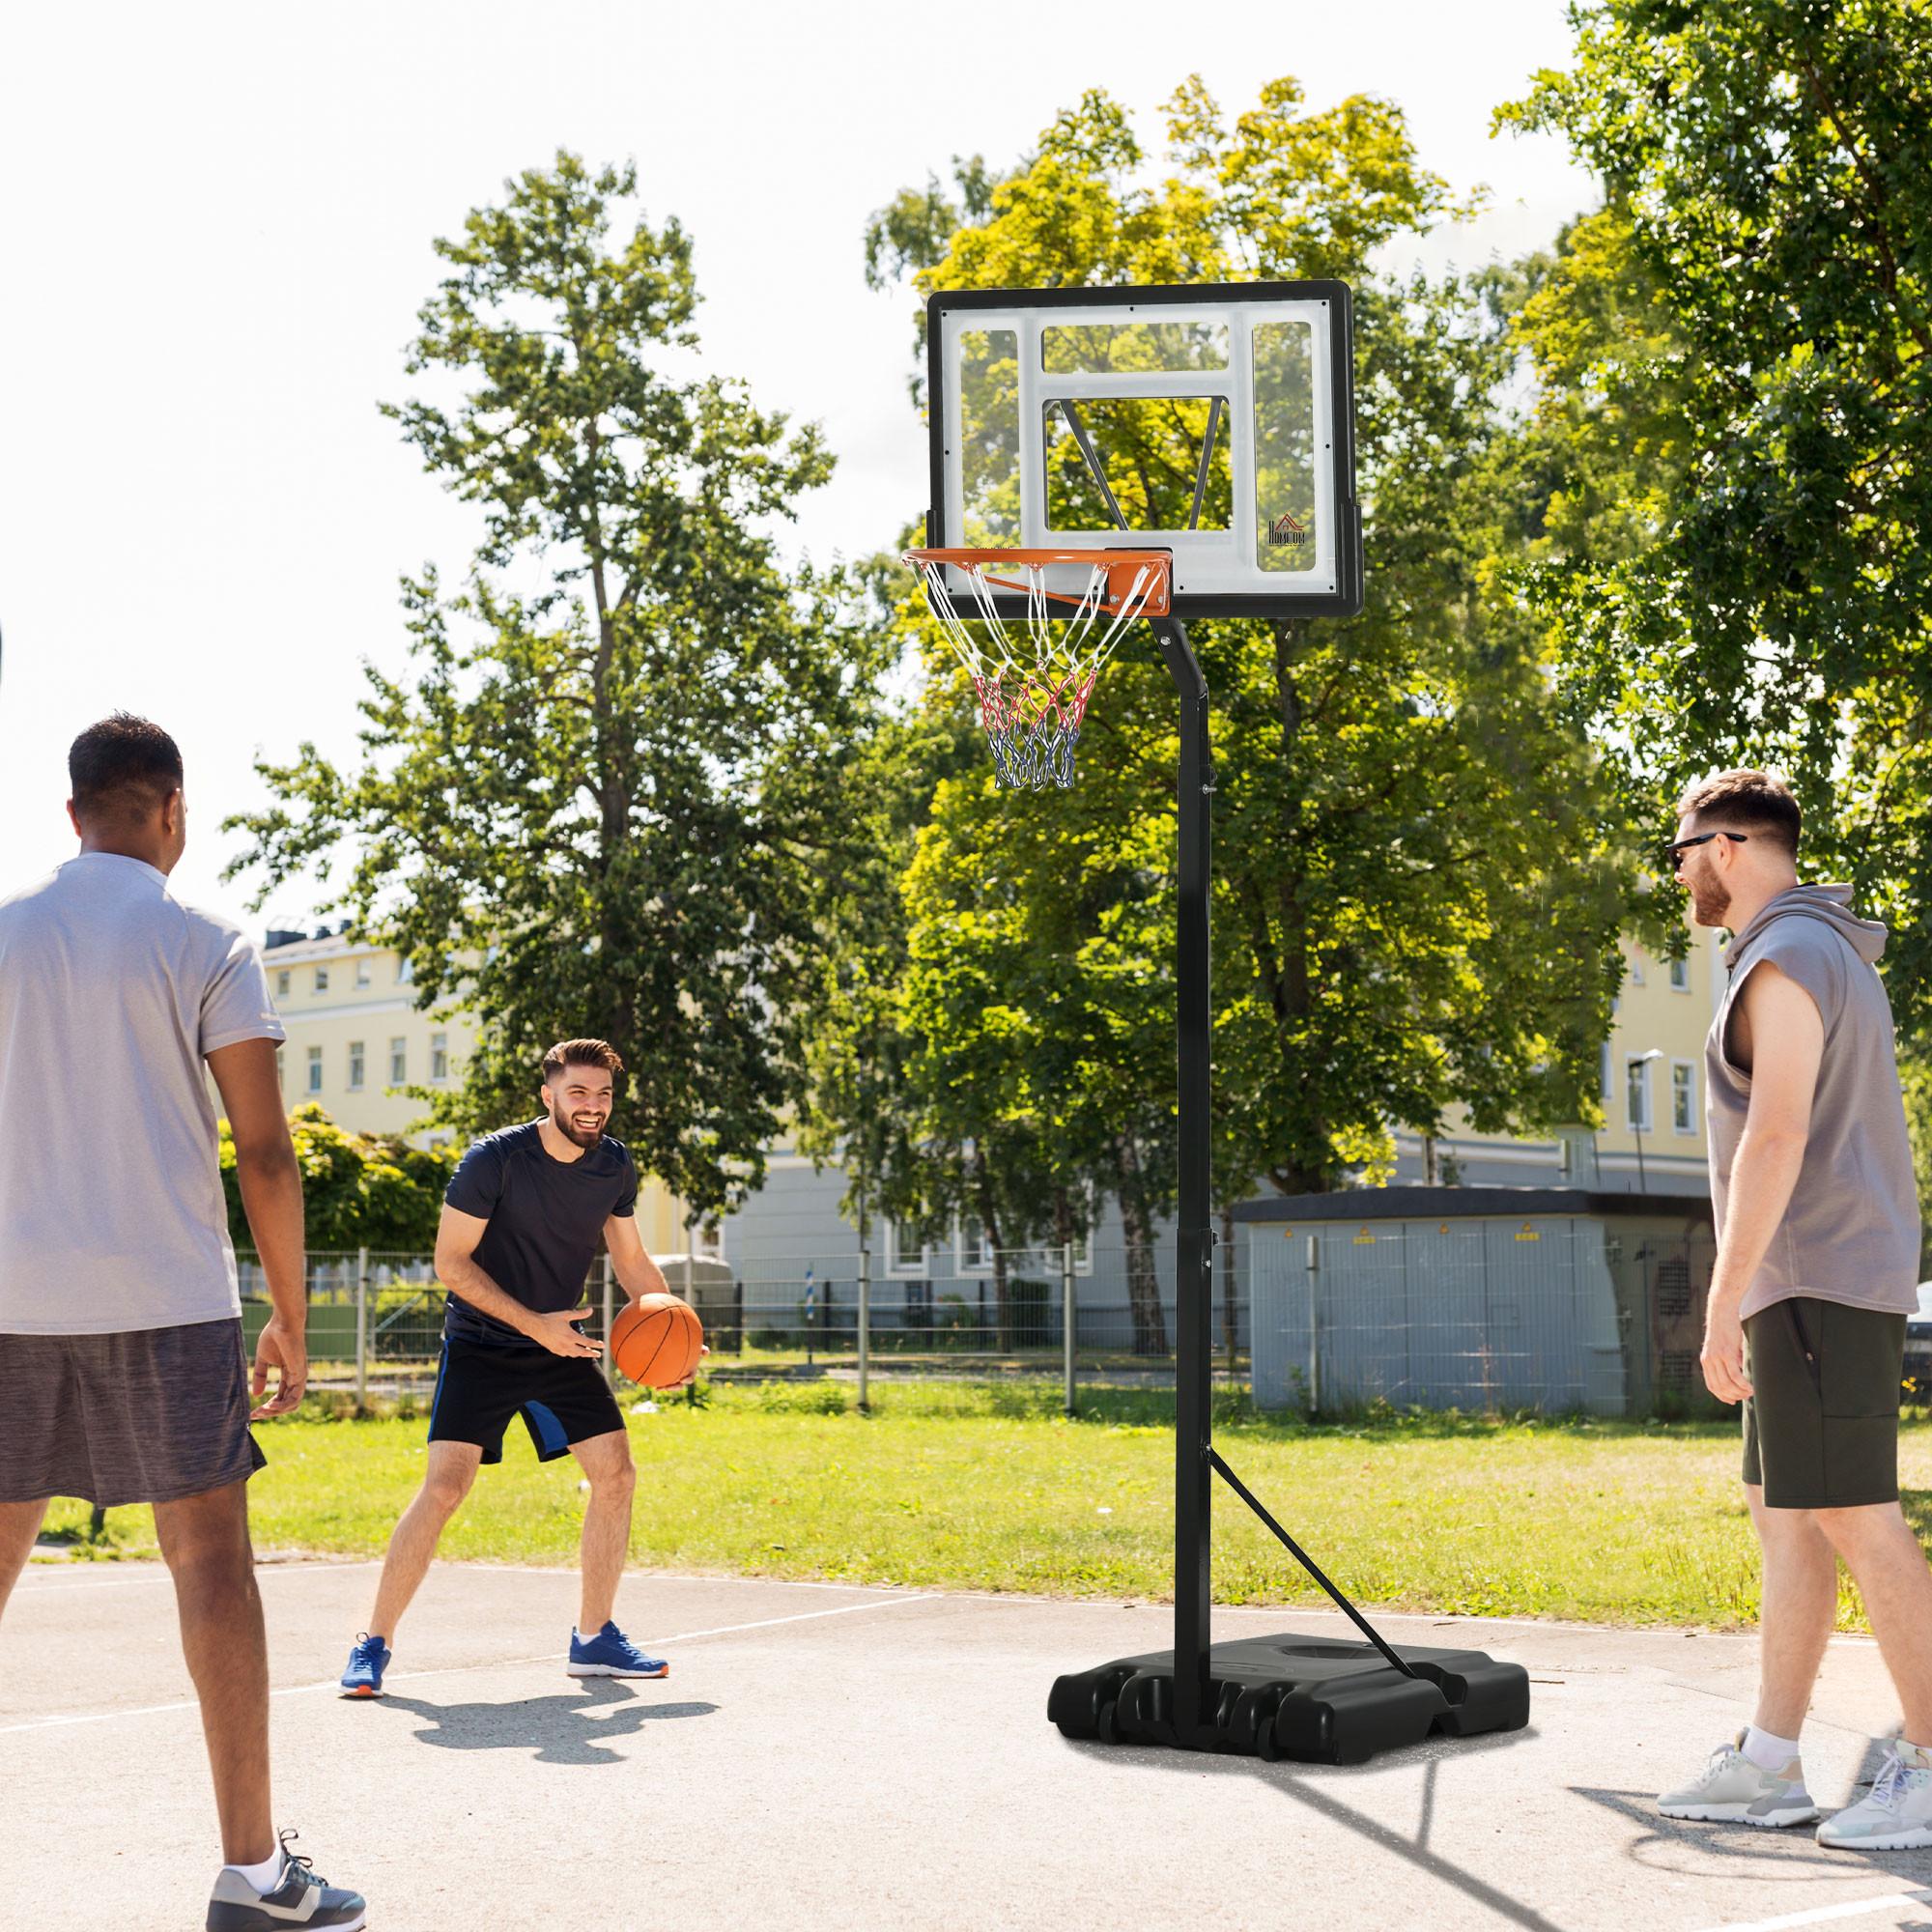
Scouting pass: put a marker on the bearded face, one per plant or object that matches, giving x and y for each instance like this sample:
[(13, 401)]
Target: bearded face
[(579, 1101), (1710, 896)]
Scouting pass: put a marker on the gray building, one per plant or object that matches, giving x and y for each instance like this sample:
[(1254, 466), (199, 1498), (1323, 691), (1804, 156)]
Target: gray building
[(1561, 1299)]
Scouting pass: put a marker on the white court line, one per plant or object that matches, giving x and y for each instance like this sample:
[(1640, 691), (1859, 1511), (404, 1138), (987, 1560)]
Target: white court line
[(1667, 1634), (161, 1576), (1824, 1914), (451, 1669)]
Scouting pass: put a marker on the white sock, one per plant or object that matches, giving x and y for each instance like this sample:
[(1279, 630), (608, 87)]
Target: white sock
[(262, 1876), (1766, 1752)]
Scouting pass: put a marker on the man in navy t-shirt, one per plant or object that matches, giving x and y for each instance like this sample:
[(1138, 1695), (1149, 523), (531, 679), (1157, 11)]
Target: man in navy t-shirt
[(522, 1221)]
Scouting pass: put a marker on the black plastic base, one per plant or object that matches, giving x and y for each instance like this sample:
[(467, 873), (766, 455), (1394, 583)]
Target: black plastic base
[(1307, 1698)]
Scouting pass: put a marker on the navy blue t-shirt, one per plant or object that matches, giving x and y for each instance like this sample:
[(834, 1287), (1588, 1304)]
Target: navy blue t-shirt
[(546, 1219)]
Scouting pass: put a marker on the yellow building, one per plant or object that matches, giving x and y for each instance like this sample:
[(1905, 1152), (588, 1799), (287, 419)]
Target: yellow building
[(358, 1040), (1651, 1083)]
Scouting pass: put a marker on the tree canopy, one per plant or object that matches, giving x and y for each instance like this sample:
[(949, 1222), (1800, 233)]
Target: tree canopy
[(1419, 887), (1736, 361), (359, 1190), (600, 802)]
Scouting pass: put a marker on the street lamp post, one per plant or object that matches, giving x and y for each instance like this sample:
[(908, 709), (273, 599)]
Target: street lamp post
[(1637, 1114)]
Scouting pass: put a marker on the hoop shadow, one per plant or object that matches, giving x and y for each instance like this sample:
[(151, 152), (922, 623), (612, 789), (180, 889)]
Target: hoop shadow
[(561, 1729), (1671, 1844), (1307, 1784)]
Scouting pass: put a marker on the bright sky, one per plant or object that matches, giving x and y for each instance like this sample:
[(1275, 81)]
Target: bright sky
[(218, 220)]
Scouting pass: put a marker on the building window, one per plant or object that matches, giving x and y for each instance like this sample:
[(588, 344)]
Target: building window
[(439, 1056), (969, 1248), (710, 1242), (1636, 973), (405, 972), (363, 972), (905, 1254), (1683, 1097), (315, 1070), (321, 979), (282, 979), (356, 1059), (1680, 975), (1636, 1095), (399, 1062)]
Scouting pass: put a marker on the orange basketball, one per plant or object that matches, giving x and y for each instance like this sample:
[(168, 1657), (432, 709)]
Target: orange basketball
[(656, 1340)]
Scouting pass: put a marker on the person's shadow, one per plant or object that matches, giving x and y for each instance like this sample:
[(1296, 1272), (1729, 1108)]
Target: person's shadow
[(561, 1730)]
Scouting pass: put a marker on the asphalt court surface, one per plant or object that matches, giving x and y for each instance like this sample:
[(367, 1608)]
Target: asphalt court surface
[(824, 1756)]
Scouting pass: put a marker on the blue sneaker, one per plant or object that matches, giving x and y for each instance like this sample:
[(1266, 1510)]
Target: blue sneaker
[(611, 1653), (367, 1660)]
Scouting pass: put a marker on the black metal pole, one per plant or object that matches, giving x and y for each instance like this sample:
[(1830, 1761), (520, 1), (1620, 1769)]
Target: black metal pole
[(1194, 1256)]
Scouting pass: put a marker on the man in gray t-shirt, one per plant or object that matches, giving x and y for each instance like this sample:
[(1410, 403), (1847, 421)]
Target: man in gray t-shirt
[(1818, 1241), (123, 1377)]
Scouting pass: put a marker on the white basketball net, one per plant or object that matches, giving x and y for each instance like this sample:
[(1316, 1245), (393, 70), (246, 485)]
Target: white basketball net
[(1032, 681)]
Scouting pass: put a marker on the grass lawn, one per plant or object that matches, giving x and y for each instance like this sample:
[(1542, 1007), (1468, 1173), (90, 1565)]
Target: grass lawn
[(991, 1487)]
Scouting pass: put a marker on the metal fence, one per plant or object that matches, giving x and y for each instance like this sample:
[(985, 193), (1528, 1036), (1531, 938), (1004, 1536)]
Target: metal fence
[(1560, 1315), (375, 1319)]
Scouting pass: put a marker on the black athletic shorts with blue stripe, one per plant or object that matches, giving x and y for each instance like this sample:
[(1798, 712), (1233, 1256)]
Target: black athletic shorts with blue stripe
[(562, 1399)]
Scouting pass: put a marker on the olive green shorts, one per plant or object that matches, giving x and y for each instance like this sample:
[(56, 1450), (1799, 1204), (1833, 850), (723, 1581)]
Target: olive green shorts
[(1821, 1424)]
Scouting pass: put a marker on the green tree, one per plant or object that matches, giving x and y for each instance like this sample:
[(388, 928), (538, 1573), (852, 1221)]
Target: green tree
[(359, 1190), (604, 797), (1417, 890), (1756, 289)]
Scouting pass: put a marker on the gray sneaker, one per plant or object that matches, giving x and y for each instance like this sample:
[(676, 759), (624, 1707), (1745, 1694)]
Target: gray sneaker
[(1898, 1816), (1734, 1791), (299, 1897)]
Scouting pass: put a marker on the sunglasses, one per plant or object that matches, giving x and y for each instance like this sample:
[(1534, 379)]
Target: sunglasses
[(1673, 853)]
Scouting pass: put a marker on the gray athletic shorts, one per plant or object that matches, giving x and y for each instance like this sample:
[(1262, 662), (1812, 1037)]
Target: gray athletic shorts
[(147, 1416)]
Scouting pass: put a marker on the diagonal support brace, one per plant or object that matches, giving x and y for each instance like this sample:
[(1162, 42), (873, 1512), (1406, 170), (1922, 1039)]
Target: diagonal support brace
[(1307, 1562)]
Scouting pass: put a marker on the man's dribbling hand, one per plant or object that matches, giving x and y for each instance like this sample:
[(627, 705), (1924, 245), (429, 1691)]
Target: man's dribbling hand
[(672, 1388), (284, 1350), (560, 1337), (1723, 1357)]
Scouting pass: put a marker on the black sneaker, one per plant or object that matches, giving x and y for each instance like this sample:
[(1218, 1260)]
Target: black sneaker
[(299, 1897)]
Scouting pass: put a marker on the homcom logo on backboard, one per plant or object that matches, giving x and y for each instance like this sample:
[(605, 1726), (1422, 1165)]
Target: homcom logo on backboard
[(1287, 528)]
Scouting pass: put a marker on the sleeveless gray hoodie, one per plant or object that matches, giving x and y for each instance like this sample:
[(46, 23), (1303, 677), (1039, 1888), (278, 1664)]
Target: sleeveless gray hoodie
[(1851, 1233)]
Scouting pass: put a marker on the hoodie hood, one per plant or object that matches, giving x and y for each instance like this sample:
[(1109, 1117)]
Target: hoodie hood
[(1833, 904)]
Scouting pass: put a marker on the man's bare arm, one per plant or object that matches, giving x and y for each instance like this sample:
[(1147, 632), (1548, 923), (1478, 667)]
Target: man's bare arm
[(636, 1272), (1787, 1047), (458, 1270), (269, 1177)]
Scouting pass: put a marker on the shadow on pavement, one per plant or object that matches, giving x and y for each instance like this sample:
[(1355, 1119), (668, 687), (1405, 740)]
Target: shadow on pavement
[(560, 1729), (1660, 1843), (1312, 1786)]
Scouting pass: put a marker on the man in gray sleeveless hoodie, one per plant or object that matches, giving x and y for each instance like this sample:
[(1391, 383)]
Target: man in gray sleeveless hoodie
[(1818, 1241)]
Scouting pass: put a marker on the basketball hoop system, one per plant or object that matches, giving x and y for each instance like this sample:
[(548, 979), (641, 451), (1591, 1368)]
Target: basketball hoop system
[(1029, 375), (1034, 681)]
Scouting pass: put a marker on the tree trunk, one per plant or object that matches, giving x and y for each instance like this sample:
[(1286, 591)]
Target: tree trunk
[(1142, 1282), (1281, 956), (989, 1232)]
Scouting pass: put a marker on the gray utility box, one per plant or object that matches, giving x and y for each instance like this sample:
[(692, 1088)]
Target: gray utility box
[(1561, 1300)]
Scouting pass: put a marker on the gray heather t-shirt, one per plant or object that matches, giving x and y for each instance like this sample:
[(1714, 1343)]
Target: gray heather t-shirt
[(1851, 1231), (111, 995)]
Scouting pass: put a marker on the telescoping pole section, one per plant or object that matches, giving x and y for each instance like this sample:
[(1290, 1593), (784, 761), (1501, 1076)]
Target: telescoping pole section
[(1194, 1258)]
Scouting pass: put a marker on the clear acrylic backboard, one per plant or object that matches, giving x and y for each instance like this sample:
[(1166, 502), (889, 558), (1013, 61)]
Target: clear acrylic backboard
[(1213, 421)]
